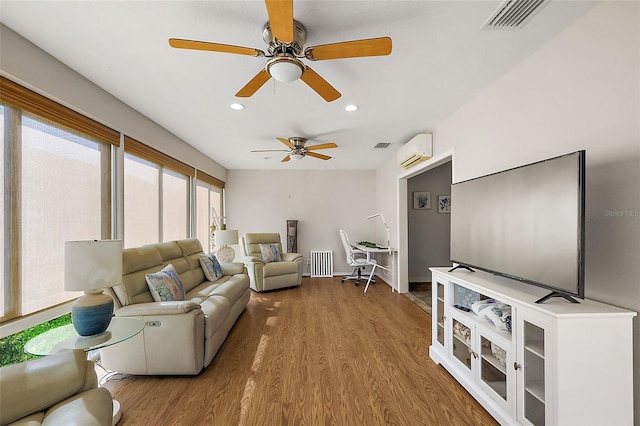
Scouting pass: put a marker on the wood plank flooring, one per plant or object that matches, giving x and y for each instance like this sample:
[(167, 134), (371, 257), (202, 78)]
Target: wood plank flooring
[(324, 353)]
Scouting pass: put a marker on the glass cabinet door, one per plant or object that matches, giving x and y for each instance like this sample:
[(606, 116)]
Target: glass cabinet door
[(493, 362), (462, 341), (532, 369), (439, 299)]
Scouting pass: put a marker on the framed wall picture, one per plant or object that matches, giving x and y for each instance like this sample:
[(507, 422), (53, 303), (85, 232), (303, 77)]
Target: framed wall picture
[(444, 203), (421, 200)]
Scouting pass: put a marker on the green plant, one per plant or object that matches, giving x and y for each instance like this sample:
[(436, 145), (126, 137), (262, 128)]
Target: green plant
[(12, 347)]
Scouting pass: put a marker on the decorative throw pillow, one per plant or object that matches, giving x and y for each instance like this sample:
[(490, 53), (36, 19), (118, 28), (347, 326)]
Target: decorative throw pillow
[(165, 285), (210, 266), (270, 253)]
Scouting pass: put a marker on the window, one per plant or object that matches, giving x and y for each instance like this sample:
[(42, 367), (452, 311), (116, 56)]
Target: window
[(156, 195), (175, 206), (60, 202), (54, 166), (141, 202), (208, 211)]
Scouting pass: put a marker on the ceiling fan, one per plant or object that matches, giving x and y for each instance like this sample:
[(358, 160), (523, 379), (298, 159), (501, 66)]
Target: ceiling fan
[(285, 38), (297, 150)]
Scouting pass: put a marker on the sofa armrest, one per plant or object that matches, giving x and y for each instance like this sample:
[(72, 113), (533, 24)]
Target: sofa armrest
[(291, 257), (232, 268), (253, 259), (157, 308)]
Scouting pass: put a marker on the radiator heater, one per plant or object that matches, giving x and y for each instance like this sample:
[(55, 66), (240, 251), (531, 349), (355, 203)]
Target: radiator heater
[(321, 263)]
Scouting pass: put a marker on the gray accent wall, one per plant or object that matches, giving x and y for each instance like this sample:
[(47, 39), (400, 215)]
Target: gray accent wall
[(429, 231)]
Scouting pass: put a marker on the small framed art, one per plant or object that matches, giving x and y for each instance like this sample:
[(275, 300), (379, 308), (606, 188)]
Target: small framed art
[(444, 203), (421, 200)]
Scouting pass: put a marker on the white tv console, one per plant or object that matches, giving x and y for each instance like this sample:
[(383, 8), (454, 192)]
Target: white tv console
[(562, 363)]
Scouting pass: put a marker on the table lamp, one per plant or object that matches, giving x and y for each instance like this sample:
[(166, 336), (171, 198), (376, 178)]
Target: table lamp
[(90, 266), (225, 238)]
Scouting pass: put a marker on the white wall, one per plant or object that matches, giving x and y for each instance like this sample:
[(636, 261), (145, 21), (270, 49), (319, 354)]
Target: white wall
[(322, 201), (25, 63), (579, 91)]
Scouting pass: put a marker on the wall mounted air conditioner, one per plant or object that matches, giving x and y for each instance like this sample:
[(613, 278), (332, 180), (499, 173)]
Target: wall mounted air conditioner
[(418, 149)]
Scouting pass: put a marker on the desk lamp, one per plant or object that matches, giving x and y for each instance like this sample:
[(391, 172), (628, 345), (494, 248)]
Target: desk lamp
[(225, 238), (90, 266), (386, 227)]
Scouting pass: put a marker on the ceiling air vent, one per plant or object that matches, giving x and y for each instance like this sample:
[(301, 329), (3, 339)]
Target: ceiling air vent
[(381, 145), (513, 14)]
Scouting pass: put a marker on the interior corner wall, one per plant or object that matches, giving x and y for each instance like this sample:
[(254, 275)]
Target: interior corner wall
[(429, 231), (27, 64), (322, 201), (579, 91)]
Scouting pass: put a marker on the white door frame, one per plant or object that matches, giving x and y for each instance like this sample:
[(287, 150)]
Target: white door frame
[(402, 275)]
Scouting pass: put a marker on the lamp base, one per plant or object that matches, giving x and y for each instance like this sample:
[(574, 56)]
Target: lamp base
[(91, 314), (226, 254)]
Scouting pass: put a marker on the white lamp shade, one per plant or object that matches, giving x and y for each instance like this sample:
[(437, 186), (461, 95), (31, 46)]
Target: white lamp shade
[(226, 237), (284, 69), (92, 265), (296, 157)]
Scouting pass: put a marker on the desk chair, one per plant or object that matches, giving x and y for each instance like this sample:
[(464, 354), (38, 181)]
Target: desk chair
[(356, 259)]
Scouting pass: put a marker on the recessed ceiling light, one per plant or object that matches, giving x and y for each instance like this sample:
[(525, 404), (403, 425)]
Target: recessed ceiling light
[(351, 108), (237, 107)]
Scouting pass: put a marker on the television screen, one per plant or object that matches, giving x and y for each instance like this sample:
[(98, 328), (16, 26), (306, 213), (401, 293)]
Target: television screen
[(525, 223)]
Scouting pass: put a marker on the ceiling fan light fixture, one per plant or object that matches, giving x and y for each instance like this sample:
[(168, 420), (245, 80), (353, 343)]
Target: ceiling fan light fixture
[(285, 69), (296, 157)]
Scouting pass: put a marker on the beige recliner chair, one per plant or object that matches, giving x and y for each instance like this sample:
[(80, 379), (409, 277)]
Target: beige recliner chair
[(265, 272), (60, 389)]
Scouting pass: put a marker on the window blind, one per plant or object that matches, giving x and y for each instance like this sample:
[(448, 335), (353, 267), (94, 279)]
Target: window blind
[(145, 152), (200, 175), (13, 94)]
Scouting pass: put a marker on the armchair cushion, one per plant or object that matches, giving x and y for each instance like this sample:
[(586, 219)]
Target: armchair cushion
[(271, 252), (165, 285), (59, 389), (211, 267)]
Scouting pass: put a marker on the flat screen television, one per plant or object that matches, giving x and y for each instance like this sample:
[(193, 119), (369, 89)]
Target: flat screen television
[(525, 223)]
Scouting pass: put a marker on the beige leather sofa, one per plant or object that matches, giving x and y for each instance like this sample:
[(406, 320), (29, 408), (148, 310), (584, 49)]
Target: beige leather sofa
[(270, 275), (180, 337), (60, 389)]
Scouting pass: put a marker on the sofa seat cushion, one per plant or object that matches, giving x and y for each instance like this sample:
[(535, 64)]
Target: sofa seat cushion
[(34, 419), (233, 288), (93, 407), (280, 268)]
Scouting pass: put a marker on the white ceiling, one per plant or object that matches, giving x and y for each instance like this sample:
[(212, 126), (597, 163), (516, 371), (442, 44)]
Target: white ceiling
[(440, 60)]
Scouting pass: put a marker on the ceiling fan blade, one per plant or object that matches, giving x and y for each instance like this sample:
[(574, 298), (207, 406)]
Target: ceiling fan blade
[(322, 146), (316, 155), (214, 47), (320, 85), (285, 159), (270, 150), (287, 143), (281, 19), (350, 49), (254, 84)]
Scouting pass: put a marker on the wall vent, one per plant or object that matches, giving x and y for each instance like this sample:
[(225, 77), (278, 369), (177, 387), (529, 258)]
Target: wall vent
[(513, 14), (321, 263), (382, 145)]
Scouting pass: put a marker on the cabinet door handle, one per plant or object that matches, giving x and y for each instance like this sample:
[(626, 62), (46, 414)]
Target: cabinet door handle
[(475, 355), (516, 366)]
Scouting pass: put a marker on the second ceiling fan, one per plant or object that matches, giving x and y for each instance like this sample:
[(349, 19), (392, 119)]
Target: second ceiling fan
[(297, 150), (285, 38)]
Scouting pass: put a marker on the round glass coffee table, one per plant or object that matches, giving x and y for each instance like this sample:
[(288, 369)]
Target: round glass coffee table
[(66, 338)]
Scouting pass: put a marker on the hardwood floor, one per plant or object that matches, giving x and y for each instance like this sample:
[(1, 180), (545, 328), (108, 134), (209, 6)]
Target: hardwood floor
[(324, 353)]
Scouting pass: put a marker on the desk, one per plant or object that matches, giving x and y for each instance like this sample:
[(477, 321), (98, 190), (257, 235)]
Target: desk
[(66, 338), (378, 249)]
